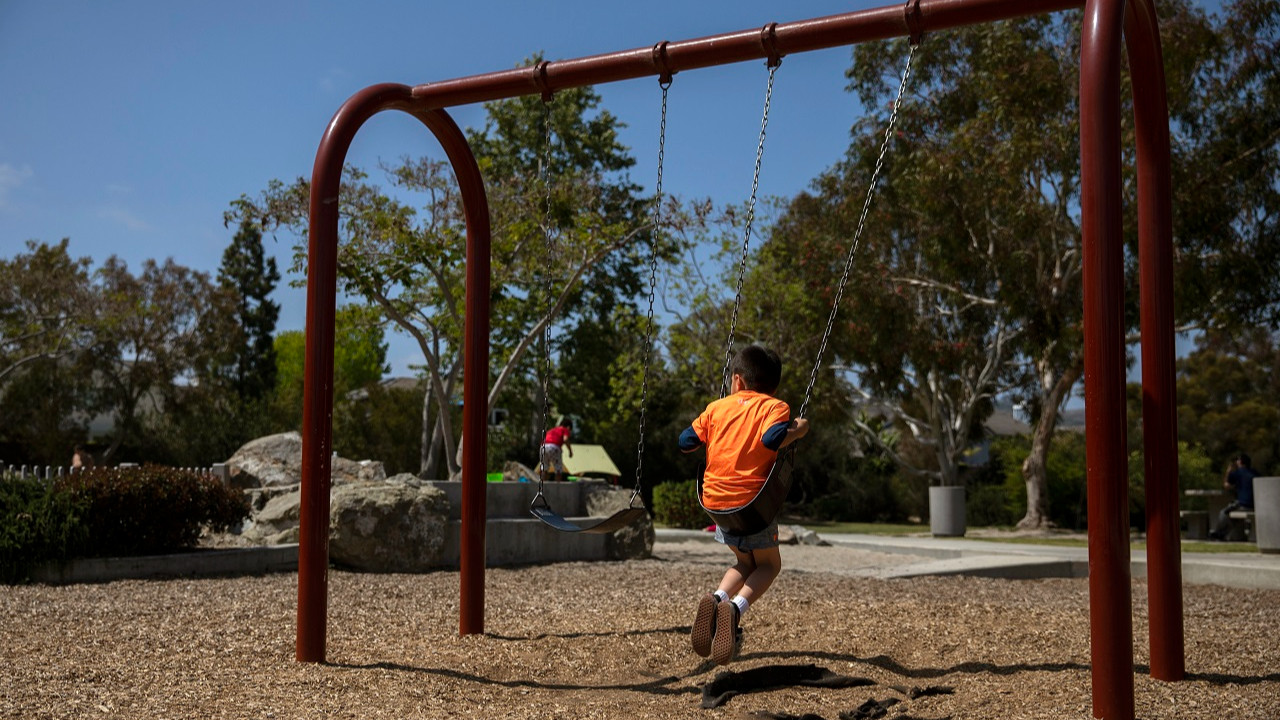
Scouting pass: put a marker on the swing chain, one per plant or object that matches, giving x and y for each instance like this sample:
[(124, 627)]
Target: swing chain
[(746, 239), (665, 84), (857, 234), (543, 468)]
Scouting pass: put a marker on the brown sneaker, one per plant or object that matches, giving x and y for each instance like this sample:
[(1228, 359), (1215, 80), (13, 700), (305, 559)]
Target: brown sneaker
[(725, 643), (704, 624)]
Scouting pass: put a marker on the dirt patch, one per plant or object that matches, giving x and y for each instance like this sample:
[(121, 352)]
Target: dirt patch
[(610, 640)]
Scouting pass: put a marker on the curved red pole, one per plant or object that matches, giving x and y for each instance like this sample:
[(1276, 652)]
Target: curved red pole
[(317, 404), (1110, 604), (1159, 387)]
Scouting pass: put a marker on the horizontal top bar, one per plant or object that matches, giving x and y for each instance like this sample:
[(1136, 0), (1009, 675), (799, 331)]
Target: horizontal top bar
[(773, 39)]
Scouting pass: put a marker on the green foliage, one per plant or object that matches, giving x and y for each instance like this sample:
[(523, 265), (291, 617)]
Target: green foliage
[(40, 521), (1065, 471), (1229, 396), (380, 423), (359, 359), (150, 509), (109, 512), (675, 504), (252, 276), (1195, 470)]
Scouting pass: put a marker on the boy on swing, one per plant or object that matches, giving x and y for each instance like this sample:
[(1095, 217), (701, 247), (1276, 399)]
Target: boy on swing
[(743, 434)]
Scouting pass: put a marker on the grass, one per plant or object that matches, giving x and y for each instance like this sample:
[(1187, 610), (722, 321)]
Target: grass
[(860, 528)]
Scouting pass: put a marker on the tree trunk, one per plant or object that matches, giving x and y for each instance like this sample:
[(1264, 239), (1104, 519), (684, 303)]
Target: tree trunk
[(425, 470), (1034, 467)]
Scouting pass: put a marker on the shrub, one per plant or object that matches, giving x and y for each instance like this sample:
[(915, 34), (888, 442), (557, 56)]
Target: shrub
[(675, 504), (39, 522), (151, 509)]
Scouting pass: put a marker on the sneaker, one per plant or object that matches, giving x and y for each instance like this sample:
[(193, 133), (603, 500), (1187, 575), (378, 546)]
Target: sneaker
[(704, 624), (724, 645)]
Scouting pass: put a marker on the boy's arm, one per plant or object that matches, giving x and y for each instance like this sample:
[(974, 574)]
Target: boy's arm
[(689, 440), (797, 429)]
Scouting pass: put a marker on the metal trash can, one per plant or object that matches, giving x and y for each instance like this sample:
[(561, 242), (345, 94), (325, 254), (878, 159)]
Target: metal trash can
[(1266, 513)]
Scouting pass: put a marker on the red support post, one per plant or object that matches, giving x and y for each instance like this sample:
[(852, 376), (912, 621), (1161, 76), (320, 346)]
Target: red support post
[(1159, 387), (1110, 603), (317, 407)]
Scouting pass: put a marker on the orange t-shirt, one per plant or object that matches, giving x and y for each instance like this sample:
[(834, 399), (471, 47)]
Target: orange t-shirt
[(738, 462)]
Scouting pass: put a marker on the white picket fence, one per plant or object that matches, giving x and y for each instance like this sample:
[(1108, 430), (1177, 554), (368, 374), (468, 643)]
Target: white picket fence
[(49, 472)]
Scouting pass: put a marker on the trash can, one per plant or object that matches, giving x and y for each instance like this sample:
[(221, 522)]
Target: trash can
[(1266, 513), (946, 511)]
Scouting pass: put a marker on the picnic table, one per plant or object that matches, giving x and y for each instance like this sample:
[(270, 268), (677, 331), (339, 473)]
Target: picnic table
[(1198, 522)]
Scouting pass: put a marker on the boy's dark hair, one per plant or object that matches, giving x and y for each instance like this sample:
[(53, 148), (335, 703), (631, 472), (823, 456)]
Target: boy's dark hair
[(1244, 460), (760, 368)]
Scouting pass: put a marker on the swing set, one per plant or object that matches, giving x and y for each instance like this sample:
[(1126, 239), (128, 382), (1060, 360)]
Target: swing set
[(1110, 29)]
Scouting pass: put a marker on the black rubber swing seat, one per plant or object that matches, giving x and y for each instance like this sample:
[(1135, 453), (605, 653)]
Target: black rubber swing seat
[(620, 519), (764, 507)]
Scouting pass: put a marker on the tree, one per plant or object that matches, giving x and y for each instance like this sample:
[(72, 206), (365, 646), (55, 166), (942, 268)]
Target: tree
[(410, 266), (359, 360), (1227, 396), (157, 333), (45, 306), (252, 277), (46, 319), (989, 170)]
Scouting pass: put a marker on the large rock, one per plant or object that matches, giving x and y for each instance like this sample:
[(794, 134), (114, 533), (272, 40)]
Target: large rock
[(276, 522), (276, 461), (388, 527), (631, 542)]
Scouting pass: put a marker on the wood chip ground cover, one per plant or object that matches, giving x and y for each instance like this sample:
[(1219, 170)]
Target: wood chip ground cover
[(610, 640)]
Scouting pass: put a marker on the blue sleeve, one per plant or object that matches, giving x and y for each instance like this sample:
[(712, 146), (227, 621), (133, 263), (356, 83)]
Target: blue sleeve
[(689, 440), (774, 436)]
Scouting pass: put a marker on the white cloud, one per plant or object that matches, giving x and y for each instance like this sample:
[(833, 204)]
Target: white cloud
[(10, 178)]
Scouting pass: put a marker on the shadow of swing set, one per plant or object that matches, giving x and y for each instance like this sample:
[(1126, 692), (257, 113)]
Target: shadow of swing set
[(1110, 29)]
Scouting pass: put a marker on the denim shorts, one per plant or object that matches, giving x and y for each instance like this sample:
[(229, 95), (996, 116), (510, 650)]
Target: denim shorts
[(766, 538)]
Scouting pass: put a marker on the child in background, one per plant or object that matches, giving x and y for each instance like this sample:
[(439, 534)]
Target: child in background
[(552, 458), (743, 434)]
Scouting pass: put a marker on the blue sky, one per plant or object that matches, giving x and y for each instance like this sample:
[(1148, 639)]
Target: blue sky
[(129, 126)]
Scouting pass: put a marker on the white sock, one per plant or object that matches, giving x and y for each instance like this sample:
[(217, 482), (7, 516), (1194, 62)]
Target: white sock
[(742, 604), (721, 595)]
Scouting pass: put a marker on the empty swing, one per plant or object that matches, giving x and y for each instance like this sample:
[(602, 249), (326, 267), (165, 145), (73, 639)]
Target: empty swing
[(762, 509), (540, 507)]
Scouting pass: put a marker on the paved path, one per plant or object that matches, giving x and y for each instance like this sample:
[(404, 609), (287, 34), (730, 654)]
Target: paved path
[(914, 556)]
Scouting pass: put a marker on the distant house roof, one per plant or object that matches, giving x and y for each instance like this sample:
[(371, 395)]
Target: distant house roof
[(1003, 423), (589, 459)]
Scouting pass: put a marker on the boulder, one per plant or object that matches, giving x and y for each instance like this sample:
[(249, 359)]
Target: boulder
[(388, 527), (276, 522), (276, 461), (634, 541), (513, 471)]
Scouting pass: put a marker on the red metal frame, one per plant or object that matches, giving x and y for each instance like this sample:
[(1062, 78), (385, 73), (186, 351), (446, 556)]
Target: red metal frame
[(1107, 23)]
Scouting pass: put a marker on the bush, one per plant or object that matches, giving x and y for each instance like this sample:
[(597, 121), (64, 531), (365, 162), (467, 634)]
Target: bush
[(106, 512), (39, 522), (675, 504), (151, 509)]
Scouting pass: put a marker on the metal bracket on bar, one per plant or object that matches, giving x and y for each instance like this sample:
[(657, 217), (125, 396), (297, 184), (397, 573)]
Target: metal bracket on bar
[(661, 64), (915, 21), (769, 44), (540, 79)]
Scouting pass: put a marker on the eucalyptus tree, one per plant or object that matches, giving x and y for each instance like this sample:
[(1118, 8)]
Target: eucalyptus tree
[(984, 177), (567, 235)]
